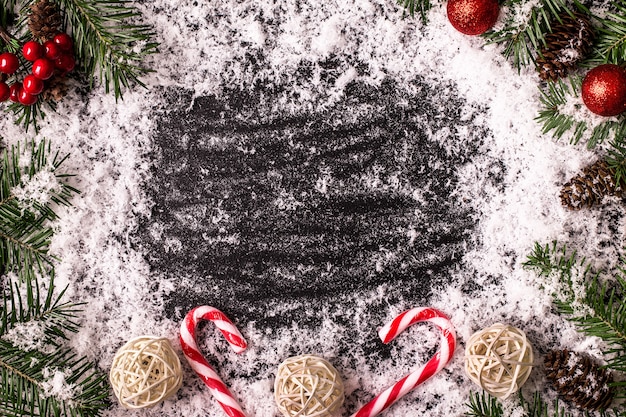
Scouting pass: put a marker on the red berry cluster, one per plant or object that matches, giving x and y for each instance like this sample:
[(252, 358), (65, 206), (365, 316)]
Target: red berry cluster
[(53, 55)]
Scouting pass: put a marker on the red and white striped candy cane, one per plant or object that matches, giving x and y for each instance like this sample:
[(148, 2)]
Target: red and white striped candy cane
[(415, 378), (200, 365)]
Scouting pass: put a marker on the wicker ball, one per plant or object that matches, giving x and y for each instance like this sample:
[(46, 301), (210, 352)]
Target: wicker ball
[(308, 386), (499, 359), (145, 371)]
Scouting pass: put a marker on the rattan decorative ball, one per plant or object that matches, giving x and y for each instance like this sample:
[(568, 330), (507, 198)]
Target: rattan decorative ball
[(308, 386), (499, 359), (145, 371)]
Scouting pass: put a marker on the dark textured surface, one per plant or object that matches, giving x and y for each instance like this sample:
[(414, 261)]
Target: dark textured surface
[(242, 221)]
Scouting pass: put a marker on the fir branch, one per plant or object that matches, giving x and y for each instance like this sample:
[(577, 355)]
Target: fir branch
[(554, 97), (611, 42), (597, 309), (539, 408), (548, 259), (607, 321), (39, 376), (32, 304), (484, 405), (616, 160), (423, 6), (24, 230), (28, 115), (107, 43), (522, 37), (27, 390)]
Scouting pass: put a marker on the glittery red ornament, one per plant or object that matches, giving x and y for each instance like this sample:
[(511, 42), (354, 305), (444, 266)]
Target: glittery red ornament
[(473, 17), (604, 90)]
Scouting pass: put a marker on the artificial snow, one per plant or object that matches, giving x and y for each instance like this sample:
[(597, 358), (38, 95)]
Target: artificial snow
[(37, 190), (204, 49), (28, 336), (55, 384)]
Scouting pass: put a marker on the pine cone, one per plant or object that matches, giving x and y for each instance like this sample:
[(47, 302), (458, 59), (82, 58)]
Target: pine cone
[(569, 43), (44, 20), (591, 186), (579, 380)]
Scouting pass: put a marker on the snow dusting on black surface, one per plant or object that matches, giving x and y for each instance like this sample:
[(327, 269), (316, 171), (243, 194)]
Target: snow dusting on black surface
[(314, 168), (253, 210)]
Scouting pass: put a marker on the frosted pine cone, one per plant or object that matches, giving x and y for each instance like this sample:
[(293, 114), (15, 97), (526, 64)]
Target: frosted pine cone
[(568, 44), (590, 187), (579, 380)]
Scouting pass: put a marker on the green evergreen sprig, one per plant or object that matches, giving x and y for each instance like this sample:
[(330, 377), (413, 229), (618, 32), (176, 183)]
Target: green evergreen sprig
[(39, 375), (554, 96), (25, 229), (109, 45), (616, 160), (593, 302), (27, 372), (485, 405), (522, 39), (610, 47), (31, 302), (422, 6), (29, 115)]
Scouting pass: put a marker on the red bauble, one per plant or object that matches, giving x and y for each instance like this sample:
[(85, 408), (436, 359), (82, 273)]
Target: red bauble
[(5, 91), (604, 90), (43, 68), (473, 17), (9, 63), (32, 84), (32, 50)]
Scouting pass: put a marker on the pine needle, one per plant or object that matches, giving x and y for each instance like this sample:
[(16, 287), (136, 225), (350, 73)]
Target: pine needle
[(484, 405), (554, 96), (616, 160), (523, 36), (107, 42), (423, 6), (600, 311), (611, 42), (25, 231), (39, 375)]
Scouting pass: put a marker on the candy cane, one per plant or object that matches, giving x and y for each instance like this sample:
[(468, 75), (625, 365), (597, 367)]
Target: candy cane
[(415, 378), (200, 365)]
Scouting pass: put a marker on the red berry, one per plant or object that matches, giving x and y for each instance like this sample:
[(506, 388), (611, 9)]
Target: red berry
[(65, 62), (52, 50), (32, 50), (32, 84), (9, 63), (64, 41), (26, 98), (604, 90), (5, 91), (43, 68), (14, 92), (473, 17)]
